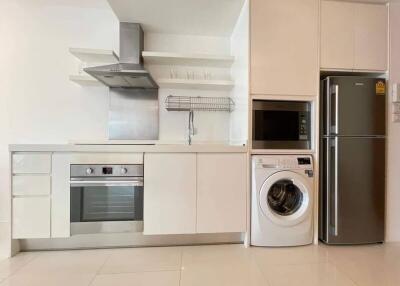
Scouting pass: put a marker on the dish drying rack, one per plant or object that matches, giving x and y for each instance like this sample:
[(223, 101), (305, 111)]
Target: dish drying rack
[(188, 103), (191, 104)]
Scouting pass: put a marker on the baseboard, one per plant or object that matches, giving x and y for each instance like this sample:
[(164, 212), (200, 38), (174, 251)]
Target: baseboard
[(110, 240)]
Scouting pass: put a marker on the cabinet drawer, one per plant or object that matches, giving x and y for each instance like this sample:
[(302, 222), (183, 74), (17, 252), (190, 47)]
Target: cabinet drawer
[(26, 185), (31, 163), (31, 217)]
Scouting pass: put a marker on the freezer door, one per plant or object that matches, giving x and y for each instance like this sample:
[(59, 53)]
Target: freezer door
[(353, 192), (354, 106)]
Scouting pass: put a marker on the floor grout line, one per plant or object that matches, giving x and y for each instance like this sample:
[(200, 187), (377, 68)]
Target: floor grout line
[(180, 269), (98, 270), (21, 267)]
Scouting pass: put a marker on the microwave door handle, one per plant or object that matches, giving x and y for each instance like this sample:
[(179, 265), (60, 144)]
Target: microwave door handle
[(132, 183)]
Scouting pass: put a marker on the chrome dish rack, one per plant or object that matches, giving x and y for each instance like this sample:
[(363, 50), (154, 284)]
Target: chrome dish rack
[(198, 103), (188, 103)]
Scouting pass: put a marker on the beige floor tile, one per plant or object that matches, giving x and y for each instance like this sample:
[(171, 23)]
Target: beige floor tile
[(73, 262), (48, 279), (372, 273), (220, 266), (214, 253), (161, 278), (266, 256), (143, 259), (345, 254), (10, 266), (320, 274)]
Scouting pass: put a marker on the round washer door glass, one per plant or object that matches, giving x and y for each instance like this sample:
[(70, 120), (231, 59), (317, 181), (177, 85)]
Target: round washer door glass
[(284, 197)]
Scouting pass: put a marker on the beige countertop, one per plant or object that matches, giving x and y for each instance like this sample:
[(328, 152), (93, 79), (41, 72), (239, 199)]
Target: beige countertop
[(126, 147)]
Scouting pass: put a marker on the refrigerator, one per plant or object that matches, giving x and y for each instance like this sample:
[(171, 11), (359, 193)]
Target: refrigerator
[(352, 170)]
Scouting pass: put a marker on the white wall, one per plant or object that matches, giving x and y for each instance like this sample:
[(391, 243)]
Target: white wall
[(210, 126), (38, 104), (240, 43), (393, 175)]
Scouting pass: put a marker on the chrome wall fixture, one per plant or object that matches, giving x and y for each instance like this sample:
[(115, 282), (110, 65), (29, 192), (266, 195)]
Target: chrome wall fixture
[(198, 103)]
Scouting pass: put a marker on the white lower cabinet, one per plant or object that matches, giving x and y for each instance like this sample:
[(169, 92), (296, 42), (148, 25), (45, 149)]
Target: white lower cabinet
[(31, 185), (31, 163), (169, 193), (221, 193), (194, 193), (31, 217)]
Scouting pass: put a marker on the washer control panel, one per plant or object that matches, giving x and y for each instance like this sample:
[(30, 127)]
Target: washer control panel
[(284, 162)]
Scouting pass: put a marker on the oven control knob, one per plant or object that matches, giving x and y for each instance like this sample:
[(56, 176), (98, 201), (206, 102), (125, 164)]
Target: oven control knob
[(89, 171), (124, 171)]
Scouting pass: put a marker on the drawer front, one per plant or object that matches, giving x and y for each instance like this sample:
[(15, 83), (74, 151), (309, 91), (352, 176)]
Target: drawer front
[(31, 163), (31, 217), (26, 185)]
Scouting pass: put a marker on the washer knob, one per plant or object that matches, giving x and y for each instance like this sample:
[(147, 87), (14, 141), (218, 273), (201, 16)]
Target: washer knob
[(124, 171), (89, 171)]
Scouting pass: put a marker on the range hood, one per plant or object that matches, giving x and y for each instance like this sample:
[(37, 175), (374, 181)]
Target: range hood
[(129, 72)]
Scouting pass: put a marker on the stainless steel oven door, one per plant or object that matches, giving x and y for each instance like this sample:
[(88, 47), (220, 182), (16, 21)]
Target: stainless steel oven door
[(106, 204)]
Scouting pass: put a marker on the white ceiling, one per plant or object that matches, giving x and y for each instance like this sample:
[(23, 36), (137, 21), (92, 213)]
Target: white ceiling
[(196, 17)]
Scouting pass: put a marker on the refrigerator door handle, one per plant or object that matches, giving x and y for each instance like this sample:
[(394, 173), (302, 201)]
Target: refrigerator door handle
[(332, 206), (336, 229), (328, 187), (328, 107), (334, 91), (337, 108)]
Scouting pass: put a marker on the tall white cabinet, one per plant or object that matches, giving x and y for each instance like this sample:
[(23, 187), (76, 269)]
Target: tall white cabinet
[(337, 35), (284, 47), (354, 36)]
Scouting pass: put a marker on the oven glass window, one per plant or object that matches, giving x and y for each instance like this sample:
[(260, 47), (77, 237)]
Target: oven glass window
[(106, 203), (276, 125)]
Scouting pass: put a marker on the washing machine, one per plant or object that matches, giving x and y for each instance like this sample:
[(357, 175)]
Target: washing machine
[(282, 200)]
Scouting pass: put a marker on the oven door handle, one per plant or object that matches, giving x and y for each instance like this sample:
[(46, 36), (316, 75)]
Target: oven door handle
[(133, 183)]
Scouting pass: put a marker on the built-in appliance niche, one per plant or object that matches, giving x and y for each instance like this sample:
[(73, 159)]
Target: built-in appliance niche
[(281, 124)]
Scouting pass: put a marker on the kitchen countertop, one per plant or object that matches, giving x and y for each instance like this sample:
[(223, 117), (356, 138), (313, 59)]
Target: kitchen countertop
[(120, 148)]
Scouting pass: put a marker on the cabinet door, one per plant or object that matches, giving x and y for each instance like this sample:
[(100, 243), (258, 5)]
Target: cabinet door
[(31, 163), (371, 37), (169, 193), (337, 35), (31, 217), (284, 47), (60, 195), (221, 193), (30, 185)]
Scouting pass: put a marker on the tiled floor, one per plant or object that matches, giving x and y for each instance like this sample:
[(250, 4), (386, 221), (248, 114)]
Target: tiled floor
[(220, 265)]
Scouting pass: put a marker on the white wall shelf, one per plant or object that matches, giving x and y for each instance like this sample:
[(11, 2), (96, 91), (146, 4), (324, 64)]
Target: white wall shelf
[(95, 55), (84, 80), (163, 58), (196, 84)]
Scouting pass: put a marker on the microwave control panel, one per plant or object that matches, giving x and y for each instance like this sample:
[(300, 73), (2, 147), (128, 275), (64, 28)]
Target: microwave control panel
[(303, 126)]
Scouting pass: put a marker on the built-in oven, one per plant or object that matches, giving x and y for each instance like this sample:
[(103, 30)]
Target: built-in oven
[(106, 198), (281, 124)]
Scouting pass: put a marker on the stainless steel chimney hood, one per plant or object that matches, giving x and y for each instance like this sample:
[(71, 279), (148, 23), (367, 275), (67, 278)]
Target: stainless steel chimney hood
[(129, 72)]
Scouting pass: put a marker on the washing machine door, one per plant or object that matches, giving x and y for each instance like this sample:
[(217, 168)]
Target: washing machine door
[(285, 198)]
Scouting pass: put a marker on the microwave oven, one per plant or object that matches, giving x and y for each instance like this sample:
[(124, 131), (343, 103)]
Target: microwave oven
[(281, 124)]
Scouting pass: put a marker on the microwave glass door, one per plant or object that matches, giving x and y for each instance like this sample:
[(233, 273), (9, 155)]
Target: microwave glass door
[(281, 125), (276, 125)]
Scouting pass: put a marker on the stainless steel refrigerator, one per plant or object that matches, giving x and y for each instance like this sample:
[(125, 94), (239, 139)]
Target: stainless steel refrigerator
[(352, 170)]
